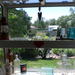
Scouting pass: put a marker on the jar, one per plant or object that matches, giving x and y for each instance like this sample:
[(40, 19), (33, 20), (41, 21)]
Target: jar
[(23, 68), (71, 33)]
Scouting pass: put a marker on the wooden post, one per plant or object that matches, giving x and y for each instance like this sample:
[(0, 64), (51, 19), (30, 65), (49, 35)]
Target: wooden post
[(5, 15)]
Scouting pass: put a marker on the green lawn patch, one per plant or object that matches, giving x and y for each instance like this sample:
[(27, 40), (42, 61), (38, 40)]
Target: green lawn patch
[(38, 63)]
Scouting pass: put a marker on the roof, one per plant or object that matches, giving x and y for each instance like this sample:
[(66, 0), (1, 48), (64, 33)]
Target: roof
[(53, 26), (33, 27)]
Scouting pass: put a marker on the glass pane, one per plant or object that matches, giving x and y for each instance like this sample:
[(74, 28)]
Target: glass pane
[(24, 23), (0, 11), (40, 60)]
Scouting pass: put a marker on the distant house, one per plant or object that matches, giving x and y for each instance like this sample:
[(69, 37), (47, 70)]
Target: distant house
[(52, 27), (33, 27)]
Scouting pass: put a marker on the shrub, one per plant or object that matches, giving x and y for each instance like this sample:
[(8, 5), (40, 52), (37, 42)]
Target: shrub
[(47, 33), (29, 53), (58, 51), (69, 52), (55, 50)]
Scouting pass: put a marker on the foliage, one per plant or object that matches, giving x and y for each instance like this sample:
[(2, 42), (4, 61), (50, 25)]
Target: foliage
[(55, 50), (17, 50), (63, 21), (52, 21), (29, 53), (1, 57), (58, 51), (47, 33), (69, 52), (19, 22), (39, 24), (32, 32)]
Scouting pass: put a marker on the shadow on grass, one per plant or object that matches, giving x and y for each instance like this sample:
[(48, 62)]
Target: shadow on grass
[(36, 59)]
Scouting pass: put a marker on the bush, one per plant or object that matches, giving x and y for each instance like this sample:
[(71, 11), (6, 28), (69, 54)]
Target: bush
[(55, 50), (47, 33), (69, 52), (29, 53), (58, 51)]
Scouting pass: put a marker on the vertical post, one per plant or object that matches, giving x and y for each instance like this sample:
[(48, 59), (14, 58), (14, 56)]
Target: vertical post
[(5, 15)]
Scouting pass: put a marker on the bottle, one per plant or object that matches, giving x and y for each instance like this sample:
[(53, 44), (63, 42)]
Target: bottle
[(9, 56), (4, 29), (1, 72), (16, 65), (8, 67)]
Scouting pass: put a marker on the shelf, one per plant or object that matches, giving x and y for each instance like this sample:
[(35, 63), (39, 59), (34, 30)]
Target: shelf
[(47, 4), (30, 44), (58, 38)]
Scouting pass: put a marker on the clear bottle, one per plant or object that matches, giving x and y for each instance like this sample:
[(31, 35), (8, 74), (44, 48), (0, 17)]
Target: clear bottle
[(1, 73), (8, 67), (16, 65)]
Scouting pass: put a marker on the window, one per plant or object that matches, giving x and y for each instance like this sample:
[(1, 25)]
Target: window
[(1, 11)]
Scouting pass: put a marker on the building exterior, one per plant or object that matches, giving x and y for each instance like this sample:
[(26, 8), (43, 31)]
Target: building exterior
[(52, 27)]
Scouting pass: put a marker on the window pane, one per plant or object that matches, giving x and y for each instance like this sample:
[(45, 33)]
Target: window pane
[(44, 59), (24, 23), (0, 11)]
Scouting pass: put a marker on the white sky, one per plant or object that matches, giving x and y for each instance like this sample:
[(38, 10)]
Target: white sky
[(47, 12)]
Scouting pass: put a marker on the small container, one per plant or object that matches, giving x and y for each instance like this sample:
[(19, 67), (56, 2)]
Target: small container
[(63, 33), (23, 68), (71, 33)]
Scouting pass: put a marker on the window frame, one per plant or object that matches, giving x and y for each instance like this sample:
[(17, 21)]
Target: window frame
[(30, 44)]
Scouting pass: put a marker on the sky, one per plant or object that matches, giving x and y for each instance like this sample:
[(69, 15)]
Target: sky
[(47, 12)]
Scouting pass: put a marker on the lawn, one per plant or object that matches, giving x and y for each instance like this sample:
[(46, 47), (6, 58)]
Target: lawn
[(38, 63)]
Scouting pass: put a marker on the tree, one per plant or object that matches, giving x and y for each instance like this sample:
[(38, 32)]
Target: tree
[(52, 21), (19, 22), (63, 21), (39, 24), (72, 17)]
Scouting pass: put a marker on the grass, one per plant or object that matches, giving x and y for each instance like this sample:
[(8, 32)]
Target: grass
[(38, 63)]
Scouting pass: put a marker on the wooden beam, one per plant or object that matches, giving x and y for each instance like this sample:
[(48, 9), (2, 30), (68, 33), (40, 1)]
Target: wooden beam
[(30, 44), (29, 5)]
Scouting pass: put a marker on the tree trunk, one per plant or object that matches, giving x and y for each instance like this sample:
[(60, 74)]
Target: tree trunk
[(45, 53)]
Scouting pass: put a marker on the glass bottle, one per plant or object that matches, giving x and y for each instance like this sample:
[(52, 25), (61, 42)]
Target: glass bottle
[(16, 65), (9, 56), (8, 67), (1, 72)]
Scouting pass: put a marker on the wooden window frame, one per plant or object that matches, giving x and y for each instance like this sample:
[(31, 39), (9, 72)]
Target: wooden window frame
[(30, 44)]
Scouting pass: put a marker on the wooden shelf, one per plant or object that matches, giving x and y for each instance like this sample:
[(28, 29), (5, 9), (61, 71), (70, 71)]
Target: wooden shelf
[(30, 44), (58, 38)]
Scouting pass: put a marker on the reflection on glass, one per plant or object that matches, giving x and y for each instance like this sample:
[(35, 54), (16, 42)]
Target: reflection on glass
[(0, 11)]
